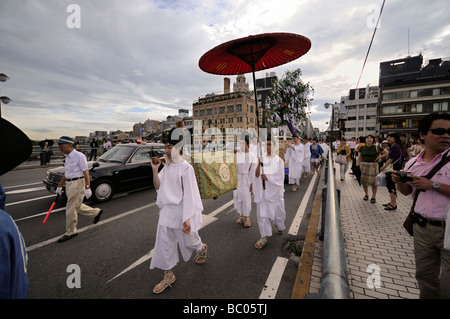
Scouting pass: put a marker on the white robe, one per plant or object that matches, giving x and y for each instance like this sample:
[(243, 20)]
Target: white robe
[(295, 159), (246, 166), (270, 202), (179, 200), (306, 163)]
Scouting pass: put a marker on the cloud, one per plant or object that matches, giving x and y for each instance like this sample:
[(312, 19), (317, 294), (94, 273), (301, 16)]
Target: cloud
[(138, 59)]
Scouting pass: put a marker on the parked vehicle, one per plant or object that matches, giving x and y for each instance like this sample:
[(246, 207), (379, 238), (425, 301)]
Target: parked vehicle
[(123, 168)]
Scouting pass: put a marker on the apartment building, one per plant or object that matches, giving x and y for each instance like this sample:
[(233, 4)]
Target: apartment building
[(409, 91), (361, 112)]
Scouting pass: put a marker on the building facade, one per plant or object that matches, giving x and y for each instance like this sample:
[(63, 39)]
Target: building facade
[(361, 112), (228, 113), (410, 91)]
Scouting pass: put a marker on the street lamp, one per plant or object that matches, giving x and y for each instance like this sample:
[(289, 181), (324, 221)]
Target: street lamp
[(327, 105), (3, 99)]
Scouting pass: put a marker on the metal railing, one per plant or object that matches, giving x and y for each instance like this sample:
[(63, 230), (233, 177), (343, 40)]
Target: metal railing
[(334, 283)]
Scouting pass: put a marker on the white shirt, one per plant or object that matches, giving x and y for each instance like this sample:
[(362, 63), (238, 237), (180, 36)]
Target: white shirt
[(178, 196), (274, 170), (75, 165)]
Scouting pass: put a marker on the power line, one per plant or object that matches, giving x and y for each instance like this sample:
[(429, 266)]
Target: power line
[(371, 41)]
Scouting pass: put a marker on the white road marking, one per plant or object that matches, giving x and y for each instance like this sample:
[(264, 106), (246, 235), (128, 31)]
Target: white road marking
[(301, 209), (30, 200), (52, 240), (273, 281), (40, 214), (135, 264), (25, 190), (16, 186)]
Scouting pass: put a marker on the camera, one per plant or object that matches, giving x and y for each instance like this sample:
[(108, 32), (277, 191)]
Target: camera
[(403, 176)]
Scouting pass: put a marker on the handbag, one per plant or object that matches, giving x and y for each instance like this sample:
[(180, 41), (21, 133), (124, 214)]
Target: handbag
[(408, 223), (341, 159), (380, 179), (390, 166)]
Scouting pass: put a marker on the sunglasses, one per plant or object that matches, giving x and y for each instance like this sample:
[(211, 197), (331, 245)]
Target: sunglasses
[(440, 131)]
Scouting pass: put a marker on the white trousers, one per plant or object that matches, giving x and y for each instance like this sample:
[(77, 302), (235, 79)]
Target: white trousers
[(165, 254), (265, 220), (243, 203)]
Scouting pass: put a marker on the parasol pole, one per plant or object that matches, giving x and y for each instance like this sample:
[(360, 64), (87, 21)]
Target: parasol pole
[(257, 120)]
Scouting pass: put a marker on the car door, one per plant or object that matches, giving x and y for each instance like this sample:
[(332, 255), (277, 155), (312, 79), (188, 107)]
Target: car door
[(138, 169)]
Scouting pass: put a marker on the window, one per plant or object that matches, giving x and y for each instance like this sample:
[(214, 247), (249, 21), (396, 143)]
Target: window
[(202, 112), (251, 108), (436, 92), (413, 94), (141, 155), (361, 117), (238, 107), (230, 108), (209, 112), (222, 110), (195, 113)]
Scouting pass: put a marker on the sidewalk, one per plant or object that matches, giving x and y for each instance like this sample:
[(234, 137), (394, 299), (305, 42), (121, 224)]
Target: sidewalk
[(375, 244)]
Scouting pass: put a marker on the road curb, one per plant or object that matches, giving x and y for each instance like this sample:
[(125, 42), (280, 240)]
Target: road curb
[(303, 278)]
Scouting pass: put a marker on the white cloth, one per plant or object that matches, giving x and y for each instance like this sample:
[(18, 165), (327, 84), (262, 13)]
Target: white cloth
[(165, 254), (325, 148), (178, 196), (306, 163), (179, 200), (246, 166), (270, 202), (75, 164), (295, 158)]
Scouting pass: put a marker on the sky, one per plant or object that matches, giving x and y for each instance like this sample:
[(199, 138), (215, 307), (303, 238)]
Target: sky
[(78, 66)]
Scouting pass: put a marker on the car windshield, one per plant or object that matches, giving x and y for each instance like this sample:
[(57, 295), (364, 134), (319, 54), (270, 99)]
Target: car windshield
[(118, 154)]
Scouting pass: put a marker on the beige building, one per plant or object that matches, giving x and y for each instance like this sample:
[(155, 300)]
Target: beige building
[(227, 113)]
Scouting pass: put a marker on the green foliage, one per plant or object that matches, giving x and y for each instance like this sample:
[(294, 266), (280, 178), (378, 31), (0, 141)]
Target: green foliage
[(288, 100)]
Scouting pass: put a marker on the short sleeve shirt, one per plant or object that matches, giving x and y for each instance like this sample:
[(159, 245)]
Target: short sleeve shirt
[(75, 165)]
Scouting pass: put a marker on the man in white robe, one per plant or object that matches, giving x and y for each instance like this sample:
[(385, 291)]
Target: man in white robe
[(269, 201), (246, 163), (306, 163), (180, 216), (294, 156)]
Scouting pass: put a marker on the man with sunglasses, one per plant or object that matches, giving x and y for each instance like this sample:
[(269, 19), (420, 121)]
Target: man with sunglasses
[(431, 258)]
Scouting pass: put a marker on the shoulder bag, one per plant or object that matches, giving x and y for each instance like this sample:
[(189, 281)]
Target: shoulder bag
[(408, 224)]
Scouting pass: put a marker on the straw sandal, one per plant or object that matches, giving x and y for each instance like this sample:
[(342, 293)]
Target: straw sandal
[(167, 281), (261, 243), (240, 220), (200, 258), (247, 223)]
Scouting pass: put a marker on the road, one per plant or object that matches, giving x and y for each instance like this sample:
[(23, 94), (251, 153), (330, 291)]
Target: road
[(111, 259)]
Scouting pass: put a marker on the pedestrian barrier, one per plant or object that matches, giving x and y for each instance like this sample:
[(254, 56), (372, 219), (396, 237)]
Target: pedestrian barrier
[(334, 283)]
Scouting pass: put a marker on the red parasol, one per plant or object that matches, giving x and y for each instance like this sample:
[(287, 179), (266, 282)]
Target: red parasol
[(254, 53)]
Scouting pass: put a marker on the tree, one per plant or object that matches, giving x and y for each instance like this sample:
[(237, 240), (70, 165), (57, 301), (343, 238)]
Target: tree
[(287, 102)]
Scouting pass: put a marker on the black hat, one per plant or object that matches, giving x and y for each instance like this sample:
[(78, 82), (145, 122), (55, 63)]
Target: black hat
[(175, 137), (17, 144)]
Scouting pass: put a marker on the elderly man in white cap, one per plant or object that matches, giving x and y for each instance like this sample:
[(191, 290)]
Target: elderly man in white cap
[(76, 178)]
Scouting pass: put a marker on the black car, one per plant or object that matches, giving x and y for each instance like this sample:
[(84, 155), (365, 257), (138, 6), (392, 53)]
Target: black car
[(123, 168)]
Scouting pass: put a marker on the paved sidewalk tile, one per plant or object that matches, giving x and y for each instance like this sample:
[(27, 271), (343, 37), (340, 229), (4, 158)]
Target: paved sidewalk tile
[(379, 251)]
